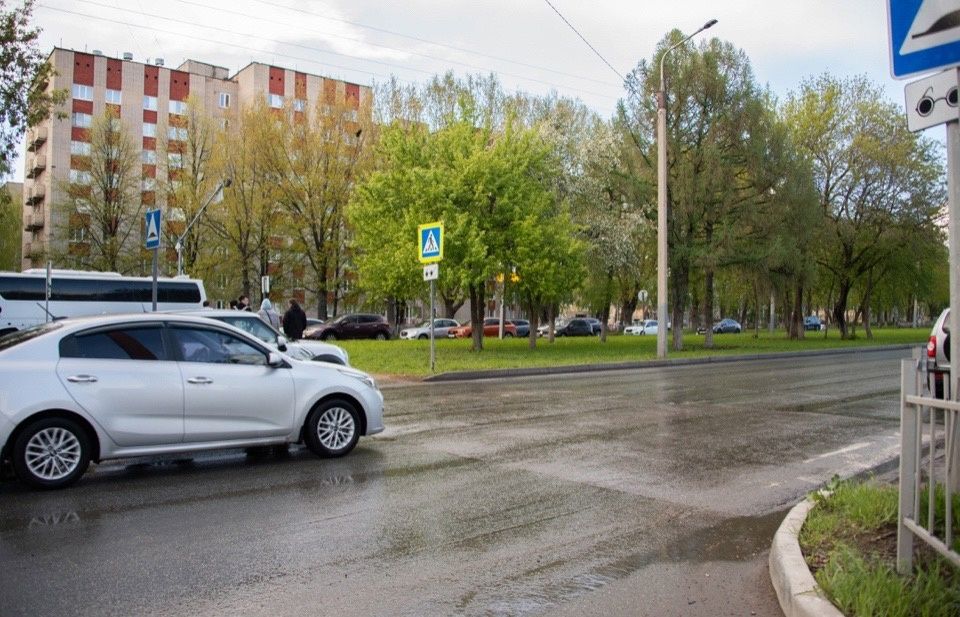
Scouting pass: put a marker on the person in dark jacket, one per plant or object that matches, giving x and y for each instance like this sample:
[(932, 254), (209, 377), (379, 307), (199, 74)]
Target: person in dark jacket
[(294, 321)]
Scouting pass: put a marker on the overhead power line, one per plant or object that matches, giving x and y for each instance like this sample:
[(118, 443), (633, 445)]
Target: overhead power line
[(287, 43), (582, 38)]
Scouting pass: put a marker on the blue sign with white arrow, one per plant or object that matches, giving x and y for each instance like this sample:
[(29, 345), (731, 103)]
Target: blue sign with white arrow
[(924, 35), (152, 235)]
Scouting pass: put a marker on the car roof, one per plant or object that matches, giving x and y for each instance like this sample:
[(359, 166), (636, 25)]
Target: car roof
[(73, 323)]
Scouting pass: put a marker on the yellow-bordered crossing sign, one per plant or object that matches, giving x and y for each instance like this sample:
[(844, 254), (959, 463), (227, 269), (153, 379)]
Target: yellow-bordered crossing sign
[(430, 242)]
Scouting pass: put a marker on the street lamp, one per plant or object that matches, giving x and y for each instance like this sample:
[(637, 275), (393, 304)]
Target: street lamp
[(179, 245), (662, 201)]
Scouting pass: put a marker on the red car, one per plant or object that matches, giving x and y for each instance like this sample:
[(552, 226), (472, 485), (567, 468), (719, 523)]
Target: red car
[(491, 327)]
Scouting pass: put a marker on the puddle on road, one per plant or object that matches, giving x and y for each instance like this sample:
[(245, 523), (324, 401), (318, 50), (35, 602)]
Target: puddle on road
[(735, 539)]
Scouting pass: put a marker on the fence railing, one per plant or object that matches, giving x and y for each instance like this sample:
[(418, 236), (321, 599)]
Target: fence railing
[(936, 423)]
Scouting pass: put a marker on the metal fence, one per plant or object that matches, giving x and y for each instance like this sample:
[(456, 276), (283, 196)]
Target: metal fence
[(934, 424)]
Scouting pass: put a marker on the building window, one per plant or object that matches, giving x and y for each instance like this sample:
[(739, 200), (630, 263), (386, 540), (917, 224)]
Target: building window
[(148, 184), (113, 97), (177, 132), (149, 130), (150, 103), (175, 160), (351, 115), (224, 100), (276, 101), (80, 148), (81, 120), (149, 157), (224, 123), (82, 92), (299, 104), (79, 177), (178, 107), (78, 234)]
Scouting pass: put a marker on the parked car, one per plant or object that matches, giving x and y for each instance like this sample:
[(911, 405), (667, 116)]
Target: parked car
[(118, 386), (577, 326), (351, 326), (595, 325), (313, 321), (544, 330), (812, 322), (253, 324), (938, 354), (491, 327), (640, 328), (440, 328), (727, 326), (522, 325)]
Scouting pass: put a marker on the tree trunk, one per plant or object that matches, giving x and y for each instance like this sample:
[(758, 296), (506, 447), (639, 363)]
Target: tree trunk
[(796, 326), (477, 311), (865, 305), (840, 308), (534, 313), (708, 309), (678, 292)]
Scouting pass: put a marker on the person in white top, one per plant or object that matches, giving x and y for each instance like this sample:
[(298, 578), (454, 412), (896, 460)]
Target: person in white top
[(269, 315)]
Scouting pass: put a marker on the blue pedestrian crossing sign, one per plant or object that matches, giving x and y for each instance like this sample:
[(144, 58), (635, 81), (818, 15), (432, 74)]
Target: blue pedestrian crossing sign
[(152, 235), (430, 242), (924, 35)]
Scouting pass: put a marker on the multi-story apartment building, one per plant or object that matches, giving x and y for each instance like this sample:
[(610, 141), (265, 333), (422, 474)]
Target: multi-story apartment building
[(146, 96)]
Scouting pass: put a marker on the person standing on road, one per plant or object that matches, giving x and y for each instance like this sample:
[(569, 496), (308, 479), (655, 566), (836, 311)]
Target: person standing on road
[(243, 304), (294, 321), (269, 315)]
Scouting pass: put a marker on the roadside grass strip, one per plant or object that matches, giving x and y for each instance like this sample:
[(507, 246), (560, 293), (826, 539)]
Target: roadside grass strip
[(849, 540), (411, 358)]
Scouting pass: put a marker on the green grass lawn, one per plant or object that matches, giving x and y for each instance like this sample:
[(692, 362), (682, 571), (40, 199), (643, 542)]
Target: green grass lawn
[(401, 358)]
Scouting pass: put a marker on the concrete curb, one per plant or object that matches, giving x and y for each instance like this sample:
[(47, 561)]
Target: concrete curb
[(799, 594), (619, 366)]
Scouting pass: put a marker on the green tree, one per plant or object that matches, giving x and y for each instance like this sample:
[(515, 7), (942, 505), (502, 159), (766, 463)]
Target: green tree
[(102, 215), (878, 184), (11, 222), (25, 99)]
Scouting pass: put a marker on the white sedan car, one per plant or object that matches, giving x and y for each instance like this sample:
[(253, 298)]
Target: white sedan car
[(647, 326), (115, 386), (303, 349), (440, 328)]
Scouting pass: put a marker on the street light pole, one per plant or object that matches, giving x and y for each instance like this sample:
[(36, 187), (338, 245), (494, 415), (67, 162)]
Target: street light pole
[(179, 245), (663, 319)]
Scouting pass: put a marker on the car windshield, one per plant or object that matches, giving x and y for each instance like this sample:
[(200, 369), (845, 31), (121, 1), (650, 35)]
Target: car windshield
[(15, 338)]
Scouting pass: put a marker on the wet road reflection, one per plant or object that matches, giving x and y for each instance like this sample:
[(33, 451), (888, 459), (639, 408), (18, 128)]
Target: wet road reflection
[(494, 497)]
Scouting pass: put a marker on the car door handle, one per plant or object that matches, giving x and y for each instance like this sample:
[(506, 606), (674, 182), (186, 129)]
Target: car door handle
[(82, 379), (199, 380)]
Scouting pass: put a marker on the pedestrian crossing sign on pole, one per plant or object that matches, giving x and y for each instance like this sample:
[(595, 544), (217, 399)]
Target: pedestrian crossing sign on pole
[(430, 242), (152, 237)]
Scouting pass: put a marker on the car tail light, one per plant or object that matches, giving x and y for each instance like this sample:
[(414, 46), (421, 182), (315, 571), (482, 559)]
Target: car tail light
[(932, 347)]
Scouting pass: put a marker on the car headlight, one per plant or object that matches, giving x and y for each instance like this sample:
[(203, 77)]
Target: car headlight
[(366, 379)]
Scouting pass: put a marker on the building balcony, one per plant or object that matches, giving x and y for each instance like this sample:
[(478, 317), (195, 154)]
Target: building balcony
[(37, 166), (36, 195), (32, 221), (37, 137)]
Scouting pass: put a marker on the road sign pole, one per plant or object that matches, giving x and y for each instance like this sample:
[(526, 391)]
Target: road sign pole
[(433, 342), (953, 203), (155, 274)]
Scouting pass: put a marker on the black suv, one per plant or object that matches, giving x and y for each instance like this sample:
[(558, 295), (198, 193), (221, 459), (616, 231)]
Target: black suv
[(578, 326), (351, 325)]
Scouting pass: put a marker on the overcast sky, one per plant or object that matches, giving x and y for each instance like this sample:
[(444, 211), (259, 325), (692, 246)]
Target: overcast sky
[(523, 41)]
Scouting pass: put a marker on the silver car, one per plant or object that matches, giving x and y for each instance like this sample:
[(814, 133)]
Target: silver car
[(440, 328), (303, 349), (117, 386)]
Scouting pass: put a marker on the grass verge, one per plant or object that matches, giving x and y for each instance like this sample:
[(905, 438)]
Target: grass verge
[(404, 358), (850, 543)]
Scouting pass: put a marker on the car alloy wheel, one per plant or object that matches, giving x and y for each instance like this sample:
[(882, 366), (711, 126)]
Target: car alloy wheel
[(51, 453), (329, 336), (381, 336), (332, 429)]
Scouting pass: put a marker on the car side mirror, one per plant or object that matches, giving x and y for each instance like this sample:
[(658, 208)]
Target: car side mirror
[(282, 342), (275, 360)]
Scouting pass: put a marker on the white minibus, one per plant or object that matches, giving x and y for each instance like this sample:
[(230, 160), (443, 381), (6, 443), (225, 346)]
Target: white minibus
[(74, 293)]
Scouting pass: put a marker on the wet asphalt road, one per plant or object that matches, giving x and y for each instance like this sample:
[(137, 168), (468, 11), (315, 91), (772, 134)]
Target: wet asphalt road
[(643, 492)]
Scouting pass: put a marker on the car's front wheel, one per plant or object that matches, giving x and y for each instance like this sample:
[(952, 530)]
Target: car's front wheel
[(51, 453), (332, 428), (381, 336), (423, 337), (329, 336)]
